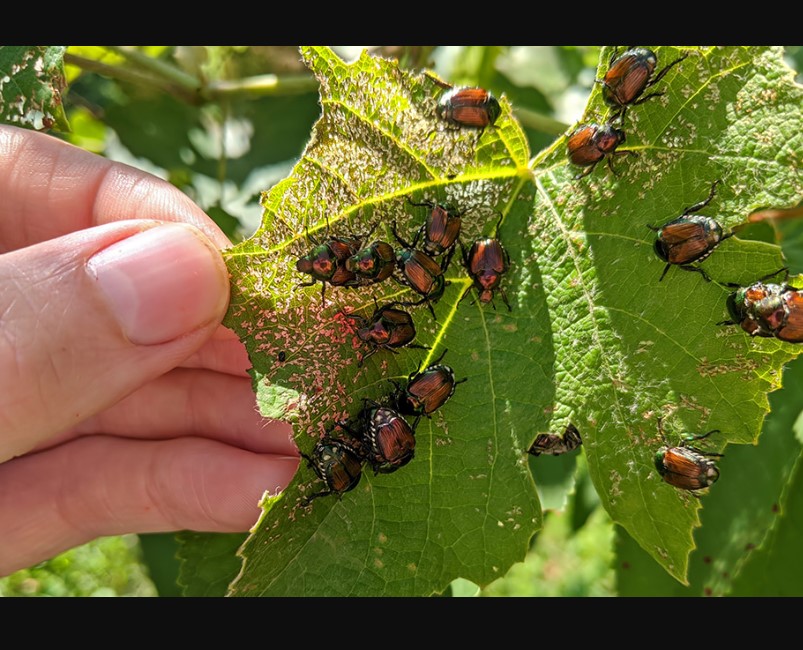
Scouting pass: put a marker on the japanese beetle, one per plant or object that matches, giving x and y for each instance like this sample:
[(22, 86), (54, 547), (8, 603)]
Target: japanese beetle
[(486, 262), (742, 302), (372, 264), (337, 464), (441, 228), (326, 263), (387, 439), (420, 272), (426, 391), (588, 144), (555, 445), (629, 75), (388, 329), (781, 314), (689, 238), (684, 466), (470, 107), (769, 310)]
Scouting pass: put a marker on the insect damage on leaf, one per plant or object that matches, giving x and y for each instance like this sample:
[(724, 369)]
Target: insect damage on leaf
[(592, 336), (31, 86), (606, 295), (379, 159)]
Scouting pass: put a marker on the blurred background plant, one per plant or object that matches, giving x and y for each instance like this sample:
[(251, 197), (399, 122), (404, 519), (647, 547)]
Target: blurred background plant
[(224, 123)]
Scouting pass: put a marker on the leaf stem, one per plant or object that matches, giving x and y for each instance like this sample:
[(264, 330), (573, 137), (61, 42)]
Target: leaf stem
[(114, 71), (261, 85), (158, 67), (130, 75)]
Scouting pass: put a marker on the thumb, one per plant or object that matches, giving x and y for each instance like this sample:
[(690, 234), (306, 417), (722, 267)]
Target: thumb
[(88, 317)]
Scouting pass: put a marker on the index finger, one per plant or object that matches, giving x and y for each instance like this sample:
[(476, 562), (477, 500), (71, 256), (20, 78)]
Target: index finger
[(51, 188)]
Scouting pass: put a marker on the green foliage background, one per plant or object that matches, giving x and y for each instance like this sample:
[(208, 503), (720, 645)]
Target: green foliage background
[(733, 113)]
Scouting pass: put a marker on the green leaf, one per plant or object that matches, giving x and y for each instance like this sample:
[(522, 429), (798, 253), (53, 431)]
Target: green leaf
[(208, 562), (554, 478), (585, 500), (361, 164), (31, 86), (738, 514), (633, 348), (775, 568), (593, 337), (159, 555)]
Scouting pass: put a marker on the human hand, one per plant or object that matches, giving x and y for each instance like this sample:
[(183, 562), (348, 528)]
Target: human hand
[(124, 405)]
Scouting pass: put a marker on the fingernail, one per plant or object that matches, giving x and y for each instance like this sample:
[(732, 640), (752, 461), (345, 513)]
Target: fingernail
[(162, 283)]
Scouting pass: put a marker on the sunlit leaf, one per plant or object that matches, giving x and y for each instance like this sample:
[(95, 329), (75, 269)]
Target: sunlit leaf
[(593, 337), (31, 86), (739, 513)]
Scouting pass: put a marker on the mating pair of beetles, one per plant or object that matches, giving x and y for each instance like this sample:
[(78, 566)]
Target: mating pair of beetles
[(761, 309), (381, 434), (623, 85)]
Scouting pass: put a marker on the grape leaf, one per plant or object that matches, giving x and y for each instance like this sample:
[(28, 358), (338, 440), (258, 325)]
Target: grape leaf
[(593, 337), (740, 515), (207, 562), (775, 569), (31, 85)]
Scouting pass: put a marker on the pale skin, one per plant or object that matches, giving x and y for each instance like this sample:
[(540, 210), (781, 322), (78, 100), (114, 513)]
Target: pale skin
[(125, 405)]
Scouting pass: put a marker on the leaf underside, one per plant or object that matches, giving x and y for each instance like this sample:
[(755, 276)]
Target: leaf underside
[(593, 337)]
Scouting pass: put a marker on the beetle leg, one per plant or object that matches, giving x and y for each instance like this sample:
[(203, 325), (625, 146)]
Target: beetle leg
[(440, 358), (366, 355), (666, 69), (437, 81), (498, 223), (704, 453), (696, 269), (465, 293), (504, 297), (610, 165), (646, 97), (585, 173), (784, 269), (666, 268), (705, 435), (618, 115), (305, 501), (424, 204), (431, 309), (702, 204), (613, 56), (447, 259), (396, 235)]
